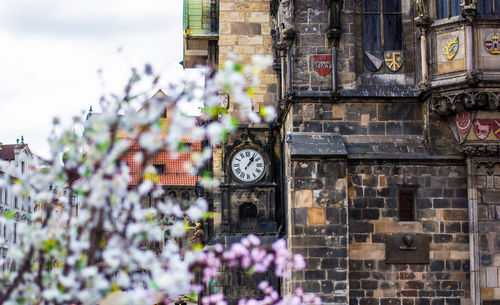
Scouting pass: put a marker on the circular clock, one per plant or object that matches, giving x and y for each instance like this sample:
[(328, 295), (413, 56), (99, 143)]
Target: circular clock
[(248, 165)]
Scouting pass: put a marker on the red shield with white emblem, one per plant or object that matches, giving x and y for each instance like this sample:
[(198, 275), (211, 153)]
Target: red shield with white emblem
[(323, 64), (496, 128), (464, 122), (482, 128)]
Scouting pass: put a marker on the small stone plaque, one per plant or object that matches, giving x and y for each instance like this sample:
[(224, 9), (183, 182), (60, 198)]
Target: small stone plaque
[(407, 249)]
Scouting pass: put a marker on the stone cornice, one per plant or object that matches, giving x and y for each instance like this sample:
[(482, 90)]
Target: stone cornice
[(446, 103)]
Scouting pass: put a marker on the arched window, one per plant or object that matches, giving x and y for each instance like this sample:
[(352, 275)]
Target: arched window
[(382, 34)]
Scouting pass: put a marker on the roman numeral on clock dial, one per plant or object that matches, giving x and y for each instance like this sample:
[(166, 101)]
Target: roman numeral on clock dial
[(247, 165)]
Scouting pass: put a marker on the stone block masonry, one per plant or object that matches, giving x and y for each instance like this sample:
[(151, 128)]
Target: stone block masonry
[(319, 228), (373, 215), (244, 31)]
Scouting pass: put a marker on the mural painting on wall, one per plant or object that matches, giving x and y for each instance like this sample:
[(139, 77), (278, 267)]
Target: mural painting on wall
[(482, 128), (492, 43), (323, 64), (393, 60), (450, 47)]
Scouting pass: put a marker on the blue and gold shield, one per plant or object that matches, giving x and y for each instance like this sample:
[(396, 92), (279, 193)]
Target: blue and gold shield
[(393, 60), (450, 47)]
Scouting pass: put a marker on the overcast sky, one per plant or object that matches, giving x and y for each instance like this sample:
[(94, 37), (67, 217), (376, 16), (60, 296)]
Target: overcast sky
[(50, 52)]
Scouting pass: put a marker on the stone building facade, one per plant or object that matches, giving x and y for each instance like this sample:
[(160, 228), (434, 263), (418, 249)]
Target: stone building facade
[(384, 157), (19, 207)]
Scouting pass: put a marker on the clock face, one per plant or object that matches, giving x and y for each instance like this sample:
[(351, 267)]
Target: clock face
[(248, 165)]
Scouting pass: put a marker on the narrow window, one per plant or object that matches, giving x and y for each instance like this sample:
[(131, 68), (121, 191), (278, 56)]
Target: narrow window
[(6, 197), (1, 195), (160, 169), (407, 207), (488, 7), (15, 202), (382, 32), (447, 8), (15, 232), (22, 167)]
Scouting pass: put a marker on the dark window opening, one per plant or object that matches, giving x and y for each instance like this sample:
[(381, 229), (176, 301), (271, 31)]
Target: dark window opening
[(185, 195), (248, 218), (15, 202), (15, 232), (172, 195), (488, 7), (160, 169), (382, 32), (407, 207), (447, 8), (22, 167)]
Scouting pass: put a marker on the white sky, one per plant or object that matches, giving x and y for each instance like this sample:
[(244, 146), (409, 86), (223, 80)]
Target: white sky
[(51, 50)]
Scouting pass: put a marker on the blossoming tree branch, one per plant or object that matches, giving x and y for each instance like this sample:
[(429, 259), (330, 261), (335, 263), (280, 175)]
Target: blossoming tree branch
[(80, 258)]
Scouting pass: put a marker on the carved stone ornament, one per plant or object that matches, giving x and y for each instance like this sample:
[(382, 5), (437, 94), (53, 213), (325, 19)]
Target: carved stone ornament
[(480, 149), (285, 19), (460, 101), (422, 10), (469, 10)]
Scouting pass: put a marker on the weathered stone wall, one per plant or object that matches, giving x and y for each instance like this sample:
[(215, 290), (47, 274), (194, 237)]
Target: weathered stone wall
[(380, 119), (319, 227), (312, 21), (244, 31), (487, 188), (373, 216)]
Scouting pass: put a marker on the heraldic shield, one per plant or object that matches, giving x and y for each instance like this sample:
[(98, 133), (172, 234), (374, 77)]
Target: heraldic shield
[(449, 47), (496, 128), (393, 60), (464, 122), (492, 43), (482, 128), (323, 64)]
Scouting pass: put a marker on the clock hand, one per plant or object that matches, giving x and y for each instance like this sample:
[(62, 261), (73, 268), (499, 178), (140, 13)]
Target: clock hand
[(251, 160)]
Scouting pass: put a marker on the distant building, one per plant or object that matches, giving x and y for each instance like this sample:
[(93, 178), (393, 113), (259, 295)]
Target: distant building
[(17, 206), (171, 173)]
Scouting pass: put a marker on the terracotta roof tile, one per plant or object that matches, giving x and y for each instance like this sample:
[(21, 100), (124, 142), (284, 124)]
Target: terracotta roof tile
[(7, 151), (174, 174)]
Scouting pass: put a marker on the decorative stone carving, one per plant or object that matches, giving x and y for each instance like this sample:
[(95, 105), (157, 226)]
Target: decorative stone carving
[(477, 149), (422, 10), (469, 10), (461, 101), (285, 19), (422, 20)]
